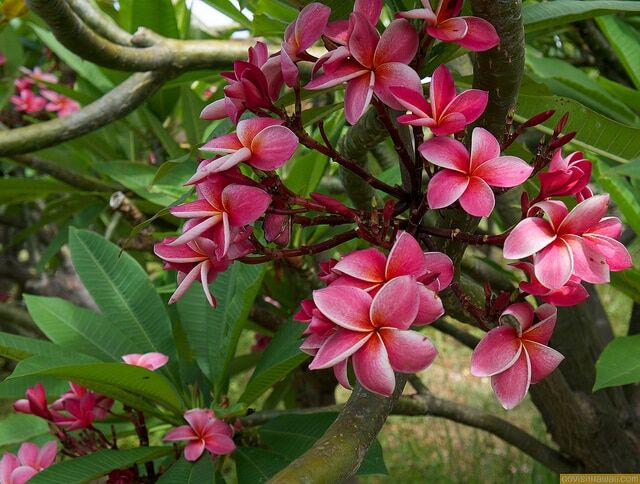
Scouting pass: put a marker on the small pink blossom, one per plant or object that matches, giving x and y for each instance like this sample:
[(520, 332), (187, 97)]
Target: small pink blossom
[(370, 64), (30, 460), (299, 36), (28, 102), (203, 432), (580, 243), (277, 227), (565, 176), (472, 33), (38, 75), (446, 113), (262, 143), (62, 105), (468, 177), (83, 407), (516, 357), (373, 332), (570, 294), (150, 361), (35, 403), (338, 30)]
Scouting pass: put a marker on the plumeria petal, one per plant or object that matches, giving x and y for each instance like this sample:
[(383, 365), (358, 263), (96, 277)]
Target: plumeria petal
[(244, 204), (338, 347), (396, 304), (478, 199), (543, 360), (445, 188), (341, 374), (523, 312), (480, 36), (497, 351), (357, 96), (220, 445), (585, 215), (408, 351), (346, 306), (470, 103), (447, 153), (372, 368), (398, 43), (393, 74), (405, 258), (366, 264), (272, 147), (504, 171), (484, 147), (443, 265), (529, 236), (512, 385), (442, 90), (555, 210), (193, 450), (363, 39), (430, 308), (184, 432), (412, 100), (554, 264), (614, 252), (588, 264), (345, 71)]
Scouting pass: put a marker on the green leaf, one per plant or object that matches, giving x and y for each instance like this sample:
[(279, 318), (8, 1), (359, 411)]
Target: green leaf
[(627, 282), (545, 15), (157, 15), (77, 328), (595, 132), (625, 197), (213, 333), (191, 107), (122, 291), (19, 427), (230, 10), (90, 467), (110, 379), (630, 96), (255, 465), (619, 363), (185, 472), (18, 190), (279, 359), (625, 40), (18, 348)]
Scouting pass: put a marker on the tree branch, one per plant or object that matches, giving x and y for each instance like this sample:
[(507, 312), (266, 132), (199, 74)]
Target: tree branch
[(99, 22), (114, 105)]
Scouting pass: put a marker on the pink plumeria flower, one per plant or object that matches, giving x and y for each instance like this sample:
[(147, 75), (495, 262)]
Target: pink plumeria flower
[(30, 460), (468, 177), (38, 75), (369, 269), (374, 333), (224, 199), (371, 64), (447, 112), (565, 176), (83, 407), (580, 242), (301, 34), (253, 84), (35, 403), (28, 102), (514, 358), (570, 294), (150, 361), (204, 432), (62, 105), (199, 259), (471, 33), (338, 30), (22, 83), (262, 143)]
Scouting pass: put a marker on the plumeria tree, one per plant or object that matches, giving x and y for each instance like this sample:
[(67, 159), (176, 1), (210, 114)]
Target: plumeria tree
[(274, 218)]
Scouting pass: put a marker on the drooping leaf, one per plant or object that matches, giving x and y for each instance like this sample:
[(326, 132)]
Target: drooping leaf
[(625, 40), (256, 465), (18, 348), (19, 427), (231, 11), (625, 198), (627, 282), (619, 363), (185, 472), (545, 15), (18, 190)]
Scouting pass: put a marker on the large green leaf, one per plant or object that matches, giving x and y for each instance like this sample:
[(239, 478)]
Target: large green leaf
[(80, 329), (213, 333), (619, 363), (17, 347), (255, 465), (595, 132), (18, 190), (279, 359), (111, 379), (19, 427), (157, 15), (90, 467), (231, 11), (627, 282), (625, 40), (621, 192), (185, 472), (122, 291), (191, 107), (545, 15)]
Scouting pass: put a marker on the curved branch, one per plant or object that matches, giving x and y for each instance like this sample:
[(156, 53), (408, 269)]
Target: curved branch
[(99, 22), (114, 105), (157, 52)]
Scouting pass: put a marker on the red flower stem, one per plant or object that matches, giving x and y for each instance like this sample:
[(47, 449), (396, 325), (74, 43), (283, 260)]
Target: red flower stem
[(457, 234), (321, 220), (418, 138), (467, 305), (143, 435), (300, 251)]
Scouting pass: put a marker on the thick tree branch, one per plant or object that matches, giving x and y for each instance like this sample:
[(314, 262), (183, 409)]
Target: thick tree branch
[(99, 22), (114, 105), (155, 52)]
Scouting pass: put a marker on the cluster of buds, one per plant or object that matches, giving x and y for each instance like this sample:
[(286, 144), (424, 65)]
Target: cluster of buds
[(32, 96)]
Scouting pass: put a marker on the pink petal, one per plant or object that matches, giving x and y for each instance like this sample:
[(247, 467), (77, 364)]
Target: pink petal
[(608, 226), (272, 147), (184, 432), (523, 312), (418, 14), (22, 474), (47, 454), (451, 30), (504, 171), (411, 100), (152, 361), (470, 103), (585, 215), (413, 120), (614, 252), (363, 39), (220, 445), (357, 96), (431, 307), (484, 147), (543, 360), (200, 226), (215, 110), (371, 9), (542, 331), (8, 464), (182, 254), (394, 74), (409, 351), (529, 236), (346, 306), (197, 208), (480, 36), (498, 350), (568, 295), (28, 454), (588, 264), (193, 450), (345, 71), (338, 31), (367, 264), (338, 347), (511, 385), (449, 124), (555, 209), (442, 264), (372, 368), (447, 153), (198, 419), (478, 199), (227, 143), (445, 187), (341, 373), (554, 264), (218, 427), (442, 90), (396, 304), (405, 258), (310, 24), (290, 72), (398, 43), (248, 129), (244, 204)]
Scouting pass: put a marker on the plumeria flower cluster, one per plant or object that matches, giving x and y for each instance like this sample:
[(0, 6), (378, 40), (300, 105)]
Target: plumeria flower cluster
[(32, 95), (365, 317), (31, 459)]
